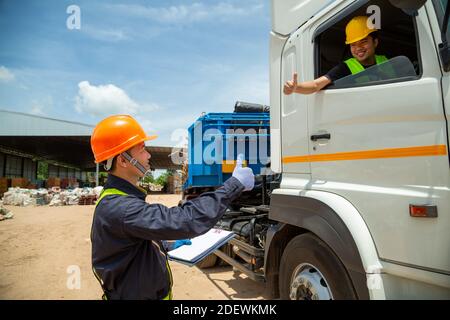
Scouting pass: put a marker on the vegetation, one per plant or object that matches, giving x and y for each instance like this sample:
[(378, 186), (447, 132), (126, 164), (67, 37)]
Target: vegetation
[(162, 180), (42, 173), (149, 179)]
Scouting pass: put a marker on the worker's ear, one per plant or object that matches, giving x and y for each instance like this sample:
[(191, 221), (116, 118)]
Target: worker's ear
[(375, 42), (121, 161)]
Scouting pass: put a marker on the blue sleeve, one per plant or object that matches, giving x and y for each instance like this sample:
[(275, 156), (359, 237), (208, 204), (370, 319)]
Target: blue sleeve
[(193, 218), (168, 245)]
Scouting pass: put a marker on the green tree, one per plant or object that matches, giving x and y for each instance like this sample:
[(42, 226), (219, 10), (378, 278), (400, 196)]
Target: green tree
[(162, 179), (42, 172), (149, 179)]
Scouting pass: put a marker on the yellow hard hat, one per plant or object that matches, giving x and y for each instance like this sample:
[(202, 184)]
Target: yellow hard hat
[(357, 29)]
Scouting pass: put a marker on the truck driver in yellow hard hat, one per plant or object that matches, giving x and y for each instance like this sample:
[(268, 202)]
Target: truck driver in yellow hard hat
[(363, 44)]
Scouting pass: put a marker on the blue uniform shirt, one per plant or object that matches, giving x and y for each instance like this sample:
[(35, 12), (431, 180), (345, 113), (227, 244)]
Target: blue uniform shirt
[(127, 251)]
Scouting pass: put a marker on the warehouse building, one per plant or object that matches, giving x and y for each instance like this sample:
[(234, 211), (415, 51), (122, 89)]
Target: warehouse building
[(64, 147)]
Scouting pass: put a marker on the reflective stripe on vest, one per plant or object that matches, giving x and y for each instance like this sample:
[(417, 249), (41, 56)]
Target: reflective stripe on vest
[(108, 192), (356, 67), (113, 191)]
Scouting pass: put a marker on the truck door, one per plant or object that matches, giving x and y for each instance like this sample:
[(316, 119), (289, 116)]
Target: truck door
[(290, 112), (437, 23), (294, 115), (381, 141)]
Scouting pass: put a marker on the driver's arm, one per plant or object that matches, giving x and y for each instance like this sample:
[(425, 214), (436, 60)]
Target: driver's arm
[(306, 87)]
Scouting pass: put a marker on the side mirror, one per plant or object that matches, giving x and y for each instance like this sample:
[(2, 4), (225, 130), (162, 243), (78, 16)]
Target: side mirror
[(444, 51)]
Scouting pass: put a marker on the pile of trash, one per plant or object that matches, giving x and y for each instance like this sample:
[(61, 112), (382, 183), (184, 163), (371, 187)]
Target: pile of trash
[(53, 197), (23, 197), (5, 213)]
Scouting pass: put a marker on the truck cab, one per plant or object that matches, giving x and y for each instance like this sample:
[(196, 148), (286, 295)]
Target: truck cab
[(363, 207)]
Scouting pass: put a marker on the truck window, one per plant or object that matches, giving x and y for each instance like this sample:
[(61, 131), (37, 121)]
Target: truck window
[(398, 68), (397, 41)]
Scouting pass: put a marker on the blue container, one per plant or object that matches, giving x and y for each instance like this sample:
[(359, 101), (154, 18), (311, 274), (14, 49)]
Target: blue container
[(218, 137)]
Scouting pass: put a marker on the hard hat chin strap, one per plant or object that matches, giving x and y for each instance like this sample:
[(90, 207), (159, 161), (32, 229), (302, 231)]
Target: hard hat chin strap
[(108, 164), (136, 163)]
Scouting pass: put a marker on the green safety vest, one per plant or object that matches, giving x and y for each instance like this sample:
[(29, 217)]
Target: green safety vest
[(356, 67), (113, 191)]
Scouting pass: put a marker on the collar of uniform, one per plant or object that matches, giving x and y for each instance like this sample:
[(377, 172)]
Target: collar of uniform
[(124, 186)]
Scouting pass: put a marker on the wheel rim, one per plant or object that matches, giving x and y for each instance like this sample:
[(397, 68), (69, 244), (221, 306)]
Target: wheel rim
[(308, 283)]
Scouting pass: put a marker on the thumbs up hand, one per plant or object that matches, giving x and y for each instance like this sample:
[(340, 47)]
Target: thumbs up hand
[(244, 175), (290, 86)]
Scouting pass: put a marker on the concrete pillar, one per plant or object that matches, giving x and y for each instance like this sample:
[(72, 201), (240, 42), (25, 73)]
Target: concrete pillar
[(97, 169)]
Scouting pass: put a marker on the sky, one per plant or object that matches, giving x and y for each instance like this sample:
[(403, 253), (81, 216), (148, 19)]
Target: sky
[(164, 62)]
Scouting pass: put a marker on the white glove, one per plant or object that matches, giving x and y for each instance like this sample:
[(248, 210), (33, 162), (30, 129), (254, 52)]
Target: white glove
[(244, 175)]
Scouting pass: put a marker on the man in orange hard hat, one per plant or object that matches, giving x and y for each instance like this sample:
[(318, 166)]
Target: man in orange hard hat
[(363, 43), (129, 258)]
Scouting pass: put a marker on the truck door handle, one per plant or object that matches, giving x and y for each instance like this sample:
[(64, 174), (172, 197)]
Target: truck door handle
[(324, 136)]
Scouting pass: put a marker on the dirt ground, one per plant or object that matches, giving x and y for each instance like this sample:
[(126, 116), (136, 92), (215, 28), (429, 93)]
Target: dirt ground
[(43, 249)]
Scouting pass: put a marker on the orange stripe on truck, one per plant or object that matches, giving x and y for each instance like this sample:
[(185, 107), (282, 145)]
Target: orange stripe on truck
[(438, 150)]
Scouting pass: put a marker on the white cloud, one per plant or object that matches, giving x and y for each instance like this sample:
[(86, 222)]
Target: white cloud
[(37, 109), (104, 34), (195, 12), (6, 75), (249, 84), (38, 106), (167, 124), (146, 124), (106, 100)]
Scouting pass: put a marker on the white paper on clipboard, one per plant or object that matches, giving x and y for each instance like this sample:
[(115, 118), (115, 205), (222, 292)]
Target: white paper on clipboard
[(201, 246)]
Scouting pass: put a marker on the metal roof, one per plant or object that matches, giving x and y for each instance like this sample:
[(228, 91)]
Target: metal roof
[(161, 157), (23, 124)]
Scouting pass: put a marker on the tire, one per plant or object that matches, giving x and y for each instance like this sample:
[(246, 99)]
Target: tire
[(309, 270), (208, 262)]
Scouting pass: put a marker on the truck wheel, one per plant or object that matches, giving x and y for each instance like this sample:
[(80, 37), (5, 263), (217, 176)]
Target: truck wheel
[(208, 262), (309, 270)]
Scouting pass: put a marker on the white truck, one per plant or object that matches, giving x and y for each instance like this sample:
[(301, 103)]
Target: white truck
[(362, 209)]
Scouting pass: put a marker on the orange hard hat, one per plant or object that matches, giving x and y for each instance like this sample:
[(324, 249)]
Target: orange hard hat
[(116, 134), (358, 29)]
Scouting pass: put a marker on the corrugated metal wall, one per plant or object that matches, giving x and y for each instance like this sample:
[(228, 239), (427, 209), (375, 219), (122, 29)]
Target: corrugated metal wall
[(29, 169), (13, 166), (70, 173), (62, 172), (52, 171), (2, 164), (18, 167)]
